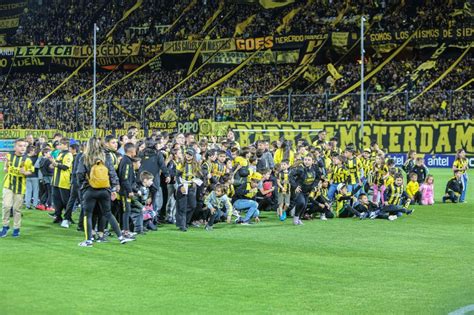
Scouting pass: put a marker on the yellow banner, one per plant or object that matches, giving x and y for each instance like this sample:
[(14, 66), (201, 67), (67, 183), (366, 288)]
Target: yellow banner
[(396, 137), (10, 22), (340, 39), (263, 57)]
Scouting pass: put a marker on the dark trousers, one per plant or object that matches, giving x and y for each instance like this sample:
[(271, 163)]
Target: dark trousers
[(392, 209), (214, 218), (315, 208), (348, 212), (74, 197), (45, 193), (90, 199), (60, 200), (126, 209), (452, 196), (185, 206), (300, 202)]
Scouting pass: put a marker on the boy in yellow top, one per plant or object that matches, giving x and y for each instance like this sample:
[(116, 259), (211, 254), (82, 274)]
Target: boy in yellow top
[(61, 183), (353, 166), (413, 189), (14, 188)]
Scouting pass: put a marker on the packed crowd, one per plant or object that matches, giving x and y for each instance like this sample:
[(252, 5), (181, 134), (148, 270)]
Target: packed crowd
[(70, 22), (63, 111), (134, 185)]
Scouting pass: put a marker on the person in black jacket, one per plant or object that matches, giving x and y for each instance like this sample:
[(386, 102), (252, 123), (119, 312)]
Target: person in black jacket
[(153, 161), (303, 180), (126, 175), (454, 188), (91, 196)]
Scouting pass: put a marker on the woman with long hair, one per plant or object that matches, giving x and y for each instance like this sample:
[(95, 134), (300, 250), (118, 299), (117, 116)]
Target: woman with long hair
[(91, 162)]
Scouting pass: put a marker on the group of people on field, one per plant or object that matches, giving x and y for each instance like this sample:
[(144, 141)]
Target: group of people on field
[(130, 186)]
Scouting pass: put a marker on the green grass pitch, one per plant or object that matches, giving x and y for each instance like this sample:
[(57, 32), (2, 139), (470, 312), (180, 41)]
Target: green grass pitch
[(420, 264)]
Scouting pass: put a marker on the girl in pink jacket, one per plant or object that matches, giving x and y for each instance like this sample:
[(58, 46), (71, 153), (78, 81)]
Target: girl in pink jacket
[(427, 191)]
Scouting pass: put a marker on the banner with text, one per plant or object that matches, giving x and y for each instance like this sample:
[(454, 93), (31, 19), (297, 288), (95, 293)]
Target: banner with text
[(397, 137)]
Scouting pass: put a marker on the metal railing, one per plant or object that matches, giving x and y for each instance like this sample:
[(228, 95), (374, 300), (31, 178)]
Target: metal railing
[(72, 115)]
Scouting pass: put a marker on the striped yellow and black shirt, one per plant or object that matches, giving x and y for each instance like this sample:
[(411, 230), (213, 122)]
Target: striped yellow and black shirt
[(186, 170), (353, 167), (62, 171), (14, 180), (338, 174), (394, 194), (460, 164)]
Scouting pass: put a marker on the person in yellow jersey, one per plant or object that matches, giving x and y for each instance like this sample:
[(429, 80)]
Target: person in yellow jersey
[(61, 182), (461, 164), (284, 152), (353, 166), (14, 188)]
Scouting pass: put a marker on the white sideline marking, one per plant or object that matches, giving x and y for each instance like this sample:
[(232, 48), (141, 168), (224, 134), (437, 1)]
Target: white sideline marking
[(463, 310)]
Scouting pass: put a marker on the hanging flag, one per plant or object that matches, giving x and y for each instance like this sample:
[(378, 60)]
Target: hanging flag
[(333, 71), (285, 25), (270, 4), (240, 28)]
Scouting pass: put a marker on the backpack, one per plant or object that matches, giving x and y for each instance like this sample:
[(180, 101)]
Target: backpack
[(99, 176)]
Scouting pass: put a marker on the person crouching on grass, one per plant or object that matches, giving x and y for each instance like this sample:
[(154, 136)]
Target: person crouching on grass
[(14, 188), (244, 199), (454, 188), (303, 180), (99, 183), (216, 201)]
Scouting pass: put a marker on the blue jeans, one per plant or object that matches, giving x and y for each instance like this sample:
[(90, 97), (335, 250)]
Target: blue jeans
[(158, 200), (32, 191), (251, 205), (332, 191), (464, 180)]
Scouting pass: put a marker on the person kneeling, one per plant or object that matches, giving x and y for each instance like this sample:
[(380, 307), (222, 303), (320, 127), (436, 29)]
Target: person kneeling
[(216, 201), (245, 199)]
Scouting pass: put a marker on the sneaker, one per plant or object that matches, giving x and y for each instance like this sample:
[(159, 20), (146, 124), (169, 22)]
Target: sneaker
[(41, 207), (58, 221), (86, 244), (183, 229), (4, 231), (410, 211), (300, 222), (50, 209), (392, 217), (245, 223), (363, 215), (16, 233), (195, 225), (124, 240), (65, 224), (102, 239), (374, 214), (322, 217), (209, 228), (238, 221), (284, 215)]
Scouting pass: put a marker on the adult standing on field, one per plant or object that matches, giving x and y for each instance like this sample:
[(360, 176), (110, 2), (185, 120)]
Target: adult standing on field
[(97, 189), (462, 164)]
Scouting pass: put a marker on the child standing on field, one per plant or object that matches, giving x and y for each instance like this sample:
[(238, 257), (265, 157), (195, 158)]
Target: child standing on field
[(427, 191)]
